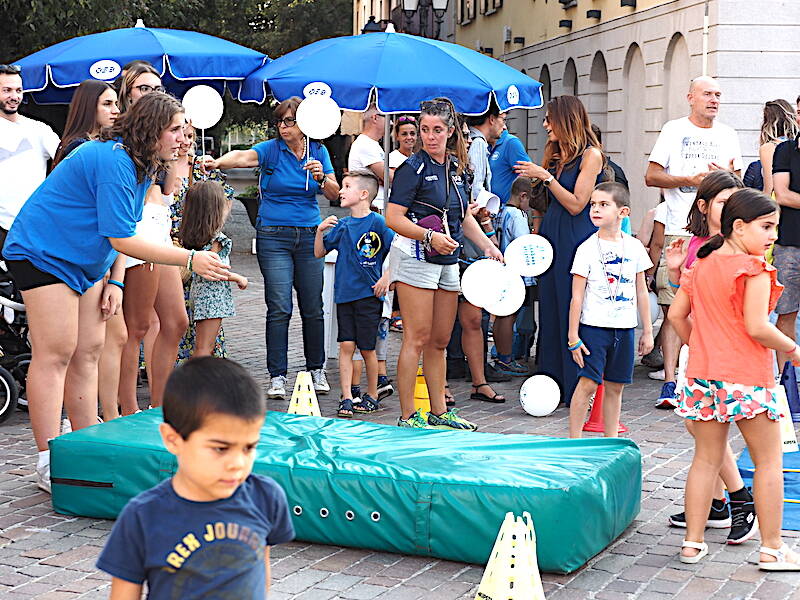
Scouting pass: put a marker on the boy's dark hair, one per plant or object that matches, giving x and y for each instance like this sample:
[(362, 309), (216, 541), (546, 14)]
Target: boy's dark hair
[(366, 179), (712, 184), (521, 185), (476, 120), (617, 191), (746, 204), (207, 385)]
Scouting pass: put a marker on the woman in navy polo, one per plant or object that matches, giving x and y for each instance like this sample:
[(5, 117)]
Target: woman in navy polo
[(288, 216), (431, 185)]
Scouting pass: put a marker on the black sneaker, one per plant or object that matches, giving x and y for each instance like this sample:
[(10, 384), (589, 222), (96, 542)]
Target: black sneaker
[(719, 517), (385, 388), (456, 368), (495, 376), (744, 522), (355, 393)]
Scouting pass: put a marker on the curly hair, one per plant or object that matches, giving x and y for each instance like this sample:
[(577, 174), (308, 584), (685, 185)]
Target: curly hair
[(140, 129)]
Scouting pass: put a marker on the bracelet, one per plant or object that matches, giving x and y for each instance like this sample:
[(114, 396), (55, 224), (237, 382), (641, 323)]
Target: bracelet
[(189, 260), (574, 346), (426, 240), (119, 284), (792, 350), (673, 285), (536, 217), (490, 233), (486, 222)]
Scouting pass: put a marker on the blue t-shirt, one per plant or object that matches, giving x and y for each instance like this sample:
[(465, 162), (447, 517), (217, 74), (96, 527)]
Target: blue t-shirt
[(419, 185), (186, 549), (285, 200), (63, 228), (507, 150), (363, 244)]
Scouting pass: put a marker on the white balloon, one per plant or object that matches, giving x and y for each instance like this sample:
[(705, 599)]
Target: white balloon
[(478, 281), (539, 395), (655, 309), (529, 255), (203, 106), (508, 293), (318, 117)]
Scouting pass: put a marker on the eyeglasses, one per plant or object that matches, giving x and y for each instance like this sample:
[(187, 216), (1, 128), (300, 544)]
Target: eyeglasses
[(146, 89), (286, 122), (10, 69)]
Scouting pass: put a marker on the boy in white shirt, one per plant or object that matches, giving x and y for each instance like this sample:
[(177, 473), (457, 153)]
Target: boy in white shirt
[(608, 285)]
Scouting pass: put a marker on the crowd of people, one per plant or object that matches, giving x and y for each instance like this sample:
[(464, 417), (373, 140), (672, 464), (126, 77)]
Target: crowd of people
[(121, 247)]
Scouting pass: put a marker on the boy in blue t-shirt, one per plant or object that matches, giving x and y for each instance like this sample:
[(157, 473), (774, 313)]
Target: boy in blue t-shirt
[(363, 241), (206, 531)]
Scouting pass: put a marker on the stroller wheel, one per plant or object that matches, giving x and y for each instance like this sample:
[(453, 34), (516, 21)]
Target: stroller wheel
[(8, 394), (20, 374)]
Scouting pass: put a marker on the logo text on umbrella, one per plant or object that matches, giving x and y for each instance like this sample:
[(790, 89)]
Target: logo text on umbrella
[(316, 88), (105, 69)]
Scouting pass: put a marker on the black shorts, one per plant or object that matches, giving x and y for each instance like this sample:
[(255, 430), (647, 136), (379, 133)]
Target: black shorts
[(28, 277), (358, 322)]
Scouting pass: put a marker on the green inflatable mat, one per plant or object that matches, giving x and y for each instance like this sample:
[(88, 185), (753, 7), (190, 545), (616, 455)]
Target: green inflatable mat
[(359, 484)]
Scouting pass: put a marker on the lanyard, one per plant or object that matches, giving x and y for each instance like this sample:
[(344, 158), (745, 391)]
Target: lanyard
[(612, 297)]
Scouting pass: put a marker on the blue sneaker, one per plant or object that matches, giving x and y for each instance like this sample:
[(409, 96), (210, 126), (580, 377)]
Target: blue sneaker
[(511, 367), (668, 398)]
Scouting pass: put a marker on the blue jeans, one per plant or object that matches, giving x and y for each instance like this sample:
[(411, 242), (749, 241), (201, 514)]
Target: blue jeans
[(286, 258)]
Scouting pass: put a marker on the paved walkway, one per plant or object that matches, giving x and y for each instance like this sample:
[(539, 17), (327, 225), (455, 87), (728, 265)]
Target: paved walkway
[(51, 557)]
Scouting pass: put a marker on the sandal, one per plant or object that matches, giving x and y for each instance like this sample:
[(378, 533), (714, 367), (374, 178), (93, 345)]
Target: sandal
[(345, 408), (396, 324), (367, 404), (476, 395), (449, 400), (703, 550), (782, 561)]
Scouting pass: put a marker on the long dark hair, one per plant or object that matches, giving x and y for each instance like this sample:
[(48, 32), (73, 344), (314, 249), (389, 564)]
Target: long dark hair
[(748, 205), (570, 123), (712, 184), (140, 129), (82, 115), (204, 212)]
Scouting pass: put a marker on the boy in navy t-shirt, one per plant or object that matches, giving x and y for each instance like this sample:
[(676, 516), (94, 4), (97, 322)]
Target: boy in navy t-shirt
[(363, 241), (206, 531)]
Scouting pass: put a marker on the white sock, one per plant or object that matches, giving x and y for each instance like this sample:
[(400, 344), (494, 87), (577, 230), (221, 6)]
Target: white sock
[(44, 459)]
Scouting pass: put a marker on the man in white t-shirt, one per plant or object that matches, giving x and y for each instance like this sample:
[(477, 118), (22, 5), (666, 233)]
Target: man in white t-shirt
[(687, 149), (366, 151), (25, 147)]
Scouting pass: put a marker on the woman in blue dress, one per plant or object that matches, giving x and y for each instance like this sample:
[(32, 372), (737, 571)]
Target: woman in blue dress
[(573, 165)]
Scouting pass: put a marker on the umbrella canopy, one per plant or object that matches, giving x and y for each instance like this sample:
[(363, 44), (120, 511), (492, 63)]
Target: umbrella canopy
[(184, 59), (400, 69)]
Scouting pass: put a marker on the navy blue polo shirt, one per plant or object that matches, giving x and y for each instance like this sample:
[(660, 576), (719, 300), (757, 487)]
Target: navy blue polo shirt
[(507, 150), (284, 199)]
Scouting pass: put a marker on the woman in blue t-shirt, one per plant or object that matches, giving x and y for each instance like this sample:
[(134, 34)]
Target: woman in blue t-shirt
[(63, 242), (428, 210), (288, 215)]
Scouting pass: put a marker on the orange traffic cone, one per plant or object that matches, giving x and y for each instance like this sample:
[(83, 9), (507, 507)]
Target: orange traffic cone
[(595, 422)]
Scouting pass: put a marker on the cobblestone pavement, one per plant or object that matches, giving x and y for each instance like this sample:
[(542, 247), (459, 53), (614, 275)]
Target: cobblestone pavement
[(51, 557)]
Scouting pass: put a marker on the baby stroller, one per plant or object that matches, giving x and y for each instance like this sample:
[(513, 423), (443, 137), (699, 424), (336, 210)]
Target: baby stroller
[(15, 348)]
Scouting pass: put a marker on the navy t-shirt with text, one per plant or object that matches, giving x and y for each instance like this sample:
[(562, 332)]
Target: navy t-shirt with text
[(193, 550), (363, 244)]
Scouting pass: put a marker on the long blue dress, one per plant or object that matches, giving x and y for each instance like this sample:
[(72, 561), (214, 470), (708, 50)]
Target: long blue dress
[(565, 232)]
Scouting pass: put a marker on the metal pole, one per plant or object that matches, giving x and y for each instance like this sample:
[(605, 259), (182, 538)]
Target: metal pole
[(705, 40), (387, 148)]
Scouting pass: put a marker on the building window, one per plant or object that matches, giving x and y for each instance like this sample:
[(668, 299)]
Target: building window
[(467, 10), (490, 6)]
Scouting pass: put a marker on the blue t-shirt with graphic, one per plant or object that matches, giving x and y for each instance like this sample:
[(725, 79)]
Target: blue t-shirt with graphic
[(63, 228), (363, 243), (507, 150), (285, 201), (186, 549)]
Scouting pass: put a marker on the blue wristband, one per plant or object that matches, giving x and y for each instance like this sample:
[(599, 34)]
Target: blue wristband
[(489, 233), (673, 285), (119, 284), (577, 345)]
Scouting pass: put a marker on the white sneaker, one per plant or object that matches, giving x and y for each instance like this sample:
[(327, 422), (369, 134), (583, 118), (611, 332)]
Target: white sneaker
[(277, 387), (321, 384), (657, 375), (43, 472)]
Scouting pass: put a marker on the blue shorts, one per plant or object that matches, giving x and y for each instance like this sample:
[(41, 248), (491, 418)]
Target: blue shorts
[(611, 357)]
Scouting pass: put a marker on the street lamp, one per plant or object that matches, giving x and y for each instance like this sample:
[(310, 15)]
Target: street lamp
[(438, 7)]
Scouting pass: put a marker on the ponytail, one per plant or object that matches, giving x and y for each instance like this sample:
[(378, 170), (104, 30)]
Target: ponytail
[(715, 243), (444, 109)]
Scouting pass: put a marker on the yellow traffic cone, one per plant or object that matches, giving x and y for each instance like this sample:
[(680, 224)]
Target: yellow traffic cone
[(422, 401), (512, 572), (304, 398)]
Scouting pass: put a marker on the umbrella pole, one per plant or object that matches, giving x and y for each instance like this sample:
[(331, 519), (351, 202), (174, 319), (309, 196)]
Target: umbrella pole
[(387, 148)]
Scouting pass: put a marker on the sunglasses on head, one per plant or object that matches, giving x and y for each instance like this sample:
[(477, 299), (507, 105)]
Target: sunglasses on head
[(10, 69), (406, 119), (435, 104)]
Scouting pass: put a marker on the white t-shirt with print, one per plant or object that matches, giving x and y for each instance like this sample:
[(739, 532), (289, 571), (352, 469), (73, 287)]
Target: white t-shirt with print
[(25, 147), (610, 269), (396, 158), (365, 152), (685, 149)]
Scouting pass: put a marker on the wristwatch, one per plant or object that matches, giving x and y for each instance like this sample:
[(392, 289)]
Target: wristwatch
[(548, 181), (322, 183)]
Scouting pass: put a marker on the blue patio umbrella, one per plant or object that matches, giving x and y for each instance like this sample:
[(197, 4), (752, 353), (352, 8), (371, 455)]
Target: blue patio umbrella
[(184, 59), (400, 69)]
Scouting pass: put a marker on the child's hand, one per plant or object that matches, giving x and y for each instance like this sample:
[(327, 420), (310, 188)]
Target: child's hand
[(645, 343), (328, 223), (242, 282), (675, 254), (381, 287), (577, 354)]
